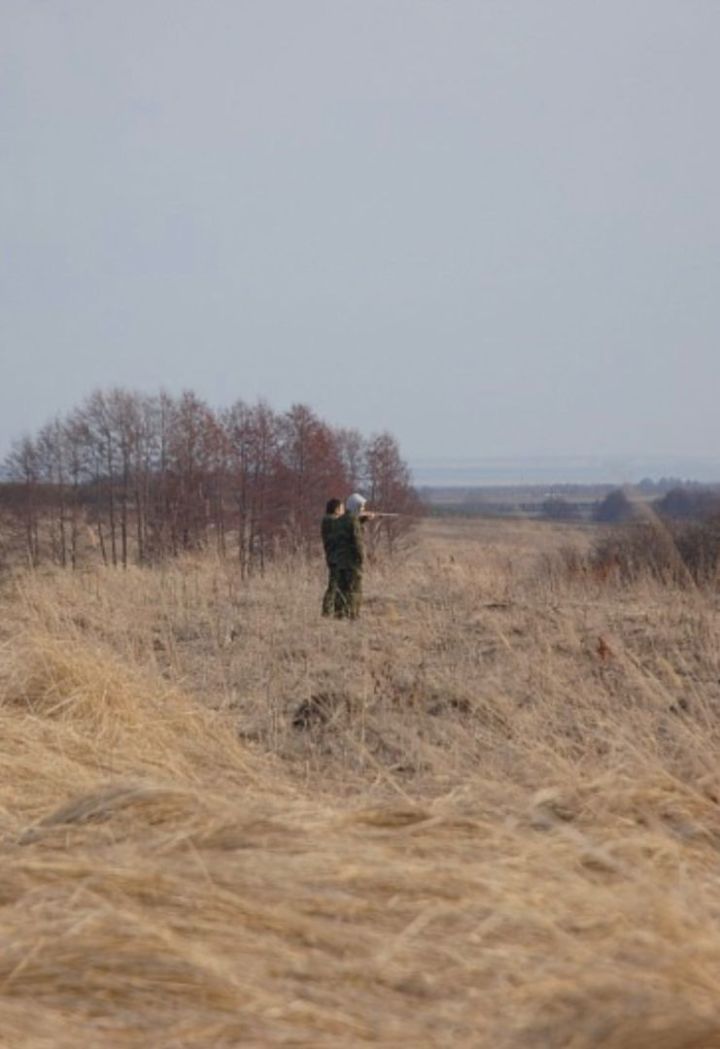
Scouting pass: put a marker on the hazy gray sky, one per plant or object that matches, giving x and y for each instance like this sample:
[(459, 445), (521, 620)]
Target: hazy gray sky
[(491, 226)]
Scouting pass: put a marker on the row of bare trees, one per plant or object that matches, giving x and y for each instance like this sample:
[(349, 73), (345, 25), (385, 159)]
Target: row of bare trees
[(138, 478)]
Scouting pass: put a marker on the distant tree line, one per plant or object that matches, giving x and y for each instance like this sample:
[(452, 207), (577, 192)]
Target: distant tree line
[(138, 478), (684, 502)]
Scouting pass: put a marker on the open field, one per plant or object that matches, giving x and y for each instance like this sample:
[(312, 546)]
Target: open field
[(486, 815), (515, 500)]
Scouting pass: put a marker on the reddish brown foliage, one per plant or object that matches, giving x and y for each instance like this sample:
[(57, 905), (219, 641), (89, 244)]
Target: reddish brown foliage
[(139, 478)]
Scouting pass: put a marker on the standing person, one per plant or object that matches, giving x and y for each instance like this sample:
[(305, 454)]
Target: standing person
[(349, 557), (345, 554), (333, 512)]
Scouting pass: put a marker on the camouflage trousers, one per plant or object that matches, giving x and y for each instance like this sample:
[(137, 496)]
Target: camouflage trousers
[(343, 596)]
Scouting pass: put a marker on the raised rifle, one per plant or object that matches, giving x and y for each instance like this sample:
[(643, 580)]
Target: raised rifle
[(371, 515)]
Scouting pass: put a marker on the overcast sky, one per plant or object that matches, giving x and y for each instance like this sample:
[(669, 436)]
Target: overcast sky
[(490, 226)]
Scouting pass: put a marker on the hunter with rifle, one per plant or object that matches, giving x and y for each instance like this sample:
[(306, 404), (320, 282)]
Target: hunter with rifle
[(344, 547)]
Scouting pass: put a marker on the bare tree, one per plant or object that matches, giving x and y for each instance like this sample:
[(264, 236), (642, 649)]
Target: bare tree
[(389, 486), (352, 447), (310, 465), (150, 477), (23, 466)]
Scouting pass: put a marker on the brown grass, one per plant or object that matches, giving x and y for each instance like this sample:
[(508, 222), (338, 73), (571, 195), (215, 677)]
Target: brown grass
[(485, 815)]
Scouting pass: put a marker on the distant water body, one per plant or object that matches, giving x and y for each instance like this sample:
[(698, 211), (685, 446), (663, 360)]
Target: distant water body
[(561, 470)]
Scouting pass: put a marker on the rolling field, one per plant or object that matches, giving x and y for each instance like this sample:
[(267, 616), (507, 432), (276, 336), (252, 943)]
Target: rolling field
[(486, 815)]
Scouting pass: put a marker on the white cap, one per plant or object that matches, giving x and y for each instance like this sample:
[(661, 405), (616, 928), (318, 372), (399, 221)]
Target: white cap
[(355, 503)]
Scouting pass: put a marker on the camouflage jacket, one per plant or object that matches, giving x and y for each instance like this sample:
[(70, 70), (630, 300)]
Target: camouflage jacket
[(343, 541)]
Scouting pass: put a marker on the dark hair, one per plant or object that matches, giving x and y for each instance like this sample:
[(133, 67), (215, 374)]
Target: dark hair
[(332, 505)]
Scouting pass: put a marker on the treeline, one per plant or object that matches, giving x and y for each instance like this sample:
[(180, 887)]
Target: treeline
[(687, 503), (690, 502), (138, 478)]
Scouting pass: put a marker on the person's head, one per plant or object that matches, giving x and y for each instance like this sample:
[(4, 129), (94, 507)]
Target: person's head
[(334, 507), (355, 503)]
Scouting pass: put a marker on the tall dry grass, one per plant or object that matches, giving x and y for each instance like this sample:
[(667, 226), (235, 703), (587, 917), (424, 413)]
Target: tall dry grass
[(485, 815)]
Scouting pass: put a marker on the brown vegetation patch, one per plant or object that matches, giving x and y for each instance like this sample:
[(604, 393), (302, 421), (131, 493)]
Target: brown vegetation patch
[(489, 819)]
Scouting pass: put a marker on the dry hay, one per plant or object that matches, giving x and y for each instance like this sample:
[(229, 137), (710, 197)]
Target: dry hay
[(504, 873)]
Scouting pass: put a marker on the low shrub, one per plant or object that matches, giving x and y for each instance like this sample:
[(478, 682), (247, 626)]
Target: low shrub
[(681, 553), (689, 504), (615, 508)]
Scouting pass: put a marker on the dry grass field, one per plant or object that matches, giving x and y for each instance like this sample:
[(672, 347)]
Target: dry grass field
[(486, 815)]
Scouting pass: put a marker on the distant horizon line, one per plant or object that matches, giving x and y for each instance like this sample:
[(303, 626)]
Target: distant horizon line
[(612, 469), (571, 457)]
